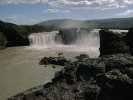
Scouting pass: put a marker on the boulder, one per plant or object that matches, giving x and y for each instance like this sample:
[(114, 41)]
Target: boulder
[(67, 36), (112, 43), (129, 38), (54, 61), (3, 41), (71, 35), (116, 86)]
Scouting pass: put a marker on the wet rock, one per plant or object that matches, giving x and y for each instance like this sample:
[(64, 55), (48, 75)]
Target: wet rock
[(60, 54), (3, 40), (116, 86), (53, 67), (130, 39), (82, 57), (67, 36), (112, 43), (54, 61), (71, 35)]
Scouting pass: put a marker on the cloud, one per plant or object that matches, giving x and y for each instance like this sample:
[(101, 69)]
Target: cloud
[(79, 4), (66, 11), (14, 17), (53, 10), (91, 4), (21, 1), (126, 13)]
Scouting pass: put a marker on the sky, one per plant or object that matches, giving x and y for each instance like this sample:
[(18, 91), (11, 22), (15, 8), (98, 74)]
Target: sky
[(35, 11)]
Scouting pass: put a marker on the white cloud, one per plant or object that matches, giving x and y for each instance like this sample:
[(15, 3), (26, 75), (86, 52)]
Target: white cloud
[(79, 4), (91, 4), (21, 1), (66, 11), (126, 13), (53, 10), (14, 17)]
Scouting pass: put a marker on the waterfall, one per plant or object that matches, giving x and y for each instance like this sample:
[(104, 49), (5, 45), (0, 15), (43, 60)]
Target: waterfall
[(51, 41), (42, 39), (89, 40)]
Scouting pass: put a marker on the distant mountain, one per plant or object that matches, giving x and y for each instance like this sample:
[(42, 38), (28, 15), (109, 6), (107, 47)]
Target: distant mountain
[(119, 23)]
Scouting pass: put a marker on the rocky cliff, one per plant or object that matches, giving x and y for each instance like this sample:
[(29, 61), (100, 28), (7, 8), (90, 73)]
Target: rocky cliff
[(129, 38), (12, 35), (114, 43), (3, 40), (17, 35), (71, 35)]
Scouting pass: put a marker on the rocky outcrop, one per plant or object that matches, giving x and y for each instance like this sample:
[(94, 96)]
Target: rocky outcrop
[(54, 61), (67, 36), (12, 36), (113, 43), (3, 40), (71, 35), (129, 37), (104, 78)]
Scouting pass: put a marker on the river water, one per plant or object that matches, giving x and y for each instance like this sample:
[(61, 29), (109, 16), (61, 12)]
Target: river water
[(19, 66)]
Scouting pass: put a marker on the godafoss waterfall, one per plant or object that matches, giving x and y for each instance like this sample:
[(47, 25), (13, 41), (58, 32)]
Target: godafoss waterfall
[(67, 40), (20, 69), (42, 39)]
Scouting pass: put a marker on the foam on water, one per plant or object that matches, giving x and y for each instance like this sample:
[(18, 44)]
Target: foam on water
[(46, 41)]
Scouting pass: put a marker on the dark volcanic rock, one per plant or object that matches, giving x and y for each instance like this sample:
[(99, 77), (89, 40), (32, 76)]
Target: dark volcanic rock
[(130, 39), (116, 86), (112, 43), (12, 35), (69, 36), (106, 78), (82, 57), (3, 40), (54, 60)]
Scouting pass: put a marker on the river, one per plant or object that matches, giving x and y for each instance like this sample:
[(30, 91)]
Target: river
[(20, 69)]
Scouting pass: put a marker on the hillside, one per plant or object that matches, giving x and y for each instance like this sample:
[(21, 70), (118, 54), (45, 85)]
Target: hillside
[(16, 35), (119, 23)]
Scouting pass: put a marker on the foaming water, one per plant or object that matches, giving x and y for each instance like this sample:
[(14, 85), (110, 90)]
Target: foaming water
[(46, 41), (42, 39)]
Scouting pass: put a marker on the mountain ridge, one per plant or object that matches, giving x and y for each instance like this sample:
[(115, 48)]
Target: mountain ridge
[(96, 23)]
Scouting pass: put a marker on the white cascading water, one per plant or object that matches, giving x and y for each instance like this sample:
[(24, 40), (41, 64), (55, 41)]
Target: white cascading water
[(90, 40), (46, 41), (42, 39)]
